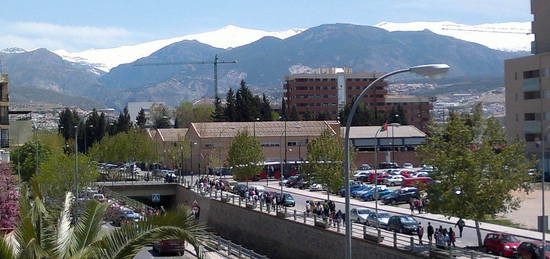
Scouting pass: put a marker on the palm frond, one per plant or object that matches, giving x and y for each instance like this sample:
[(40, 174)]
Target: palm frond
[(64, 240), (6, 250), (88, 227)]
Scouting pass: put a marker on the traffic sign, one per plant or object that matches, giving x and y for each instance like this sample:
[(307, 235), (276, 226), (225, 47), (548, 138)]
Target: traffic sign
[(155, 197)]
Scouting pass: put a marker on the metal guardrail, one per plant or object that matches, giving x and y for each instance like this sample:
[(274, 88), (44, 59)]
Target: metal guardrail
[(229, 248), (392, 239)]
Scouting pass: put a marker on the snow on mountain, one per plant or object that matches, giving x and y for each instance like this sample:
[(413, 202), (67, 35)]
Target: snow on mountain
[(511, 36), (13, 50), (227, 37)]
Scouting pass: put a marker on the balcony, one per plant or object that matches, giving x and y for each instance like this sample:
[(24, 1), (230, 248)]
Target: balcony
[(531, 84), (531, 126)]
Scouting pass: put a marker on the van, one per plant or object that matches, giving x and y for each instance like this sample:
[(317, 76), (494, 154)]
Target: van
[(413, 181)]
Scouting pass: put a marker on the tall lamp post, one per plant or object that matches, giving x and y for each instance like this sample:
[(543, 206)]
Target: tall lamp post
[(191, 160), (433, 71), (543, 217)]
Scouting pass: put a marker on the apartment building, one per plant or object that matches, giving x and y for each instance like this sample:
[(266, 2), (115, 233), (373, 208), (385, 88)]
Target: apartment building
[(327, 91), (4, 112), (527, 81)]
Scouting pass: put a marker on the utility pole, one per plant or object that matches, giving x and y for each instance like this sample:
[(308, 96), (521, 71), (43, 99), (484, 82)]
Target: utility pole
[(215, 63)]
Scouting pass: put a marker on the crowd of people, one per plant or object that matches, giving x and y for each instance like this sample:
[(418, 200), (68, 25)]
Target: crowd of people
[(326, 210), (443, 237), (417, 204)]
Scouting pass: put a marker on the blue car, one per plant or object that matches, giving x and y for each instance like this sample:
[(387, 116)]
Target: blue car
[(359, 192), (342, 191), (369, 196)]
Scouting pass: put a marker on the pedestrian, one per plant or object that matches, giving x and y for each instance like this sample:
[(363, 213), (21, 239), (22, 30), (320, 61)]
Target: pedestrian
[(196, 210), (411, 205), (420, 231), (452, 236), (460, 223), (419, 206), (308, 208), (430, 232)]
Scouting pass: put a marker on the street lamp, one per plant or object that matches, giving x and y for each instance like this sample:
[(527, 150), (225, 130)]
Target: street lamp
[(543, 217), (393, 125), (432, 71), (191, 158)]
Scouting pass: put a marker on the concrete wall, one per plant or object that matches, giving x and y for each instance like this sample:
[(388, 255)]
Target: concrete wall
[(279, 238)]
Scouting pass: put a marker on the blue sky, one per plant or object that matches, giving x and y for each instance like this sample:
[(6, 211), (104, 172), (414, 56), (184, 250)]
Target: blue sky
[(77, 25)]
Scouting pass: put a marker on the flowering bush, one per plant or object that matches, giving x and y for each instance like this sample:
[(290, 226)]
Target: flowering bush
[(9, 195)]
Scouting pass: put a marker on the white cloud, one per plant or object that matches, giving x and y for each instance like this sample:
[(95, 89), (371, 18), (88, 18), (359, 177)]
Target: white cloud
[(32, 35)]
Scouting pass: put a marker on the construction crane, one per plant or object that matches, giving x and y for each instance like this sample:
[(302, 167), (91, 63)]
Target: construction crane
[(450, 27), (215, 63)]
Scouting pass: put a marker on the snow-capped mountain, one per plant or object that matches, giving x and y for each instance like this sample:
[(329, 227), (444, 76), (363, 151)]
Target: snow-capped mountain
[(13, 50), (227, 37), (511, 36)]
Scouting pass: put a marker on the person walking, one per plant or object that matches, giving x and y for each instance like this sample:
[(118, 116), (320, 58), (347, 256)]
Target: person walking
[(308, 208), (420, 231), (411, 205), (460, 224), (452, 236), (419, 206), (430, 232)]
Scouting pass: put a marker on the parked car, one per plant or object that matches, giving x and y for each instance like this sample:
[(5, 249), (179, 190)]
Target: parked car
[(393, 180), (129, 215), (360, 175), (352, 186), (240, 189), (412, 181), (502, 244), (362, 189), (406, 173), (293, 180), (359, 215), (369, 196), (170, 246), (533, 250), (388, 165), (288, 200), (316, 187), (408, 165), (403, 224), (380, 218), (377, 177), (401, 196), (421, 174)]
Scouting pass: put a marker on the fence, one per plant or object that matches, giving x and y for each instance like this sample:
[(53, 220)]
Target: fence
[(229, 248), (382, 236)]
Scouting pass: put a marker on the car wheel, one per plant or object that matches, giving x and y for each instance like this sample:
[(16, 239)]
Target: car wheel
[(500, 254), (393, 202)]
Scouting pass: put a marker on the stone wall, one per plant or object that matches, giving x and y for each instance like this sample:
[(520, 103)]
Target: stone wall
[(279, 238)]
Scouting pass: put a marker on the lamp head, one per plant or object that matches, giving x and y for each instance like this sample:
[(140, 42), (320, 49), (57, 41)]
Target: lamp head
[(433, 71)]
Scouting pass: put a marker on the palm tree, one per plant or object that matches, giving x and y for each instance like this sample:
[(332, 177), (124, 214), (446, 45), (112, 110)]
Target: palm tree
[(43, 234)]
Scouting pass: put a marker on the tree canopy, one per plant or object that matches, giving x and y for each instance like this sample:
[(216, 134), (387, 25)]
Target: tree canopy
[(476, 168), (133, 145), (26, 158), (243, 106), (245, 156), (186, 113)]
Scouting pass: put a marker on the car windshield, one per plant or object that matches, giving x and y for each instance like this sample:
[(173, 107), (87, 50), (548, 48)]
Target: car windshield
[(383, 215), (407, 220), (363, 211), (509, 239)]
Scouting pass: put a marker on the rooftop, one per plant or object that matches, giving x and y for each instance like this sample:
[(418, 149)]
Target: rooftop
[(262, 128), (172, 135), (408, 99), (363, 75), (403, 131)]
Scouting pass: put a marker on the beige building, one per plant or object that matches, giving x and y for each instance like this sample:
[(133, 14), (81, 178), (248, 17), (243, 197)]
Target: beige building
[(527, 82), (166, 139), (210, 141)]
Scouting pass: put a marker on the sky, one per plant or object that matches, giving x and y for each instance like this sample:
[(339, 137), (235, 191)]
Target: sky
[(76, 25)]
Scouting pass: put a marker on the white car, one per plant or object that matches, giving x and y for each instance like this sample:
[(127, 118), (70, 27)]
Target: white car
[(316, 187), (408, 166), (394, 180), (359, 215), (359, 174), (393, 171)]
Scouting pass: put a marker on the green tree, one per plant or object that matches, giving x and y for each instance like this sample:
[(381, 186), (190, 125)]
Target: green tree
[(67, 121), (28, 157), (476, 168), (186, 113), (161, 117), (308, 116), (219, 112), (124, 122), (325, 156), (293, 114), (56, 174), (245, 156), (247, 105), (141, 120), (178, 153), (265, 109), (133, 145), (45, 233), (230, 112), (284, 109)]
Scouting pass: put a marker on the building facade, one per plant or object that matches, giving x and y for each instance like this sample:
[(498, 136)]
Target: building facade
[(527, 81), (4, 116), (327, 91)]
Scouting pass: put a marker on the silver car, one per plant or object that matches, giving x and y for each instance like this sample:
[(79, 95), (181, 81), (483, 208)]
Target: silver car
[(382, 218), (359, 215)]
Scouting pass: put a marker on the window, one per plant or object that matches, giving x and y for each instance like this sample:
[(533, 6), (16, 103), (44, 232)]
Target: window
[(531, 74), (531, 137), (292, 143), (4, 117), (270, 144), (531, 95), (531, 116), (4, 138)]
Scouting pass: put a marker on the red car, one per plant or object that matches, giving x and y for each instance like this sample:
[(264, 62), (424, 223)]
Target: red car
[(532, 250), (501, 243), (380, 177), (413, 181), (170, 246), (406, 174)]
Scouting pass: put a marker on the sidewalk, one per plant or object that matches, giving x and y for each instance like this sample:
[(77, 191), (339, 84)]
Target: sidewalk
[(429, 216)]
